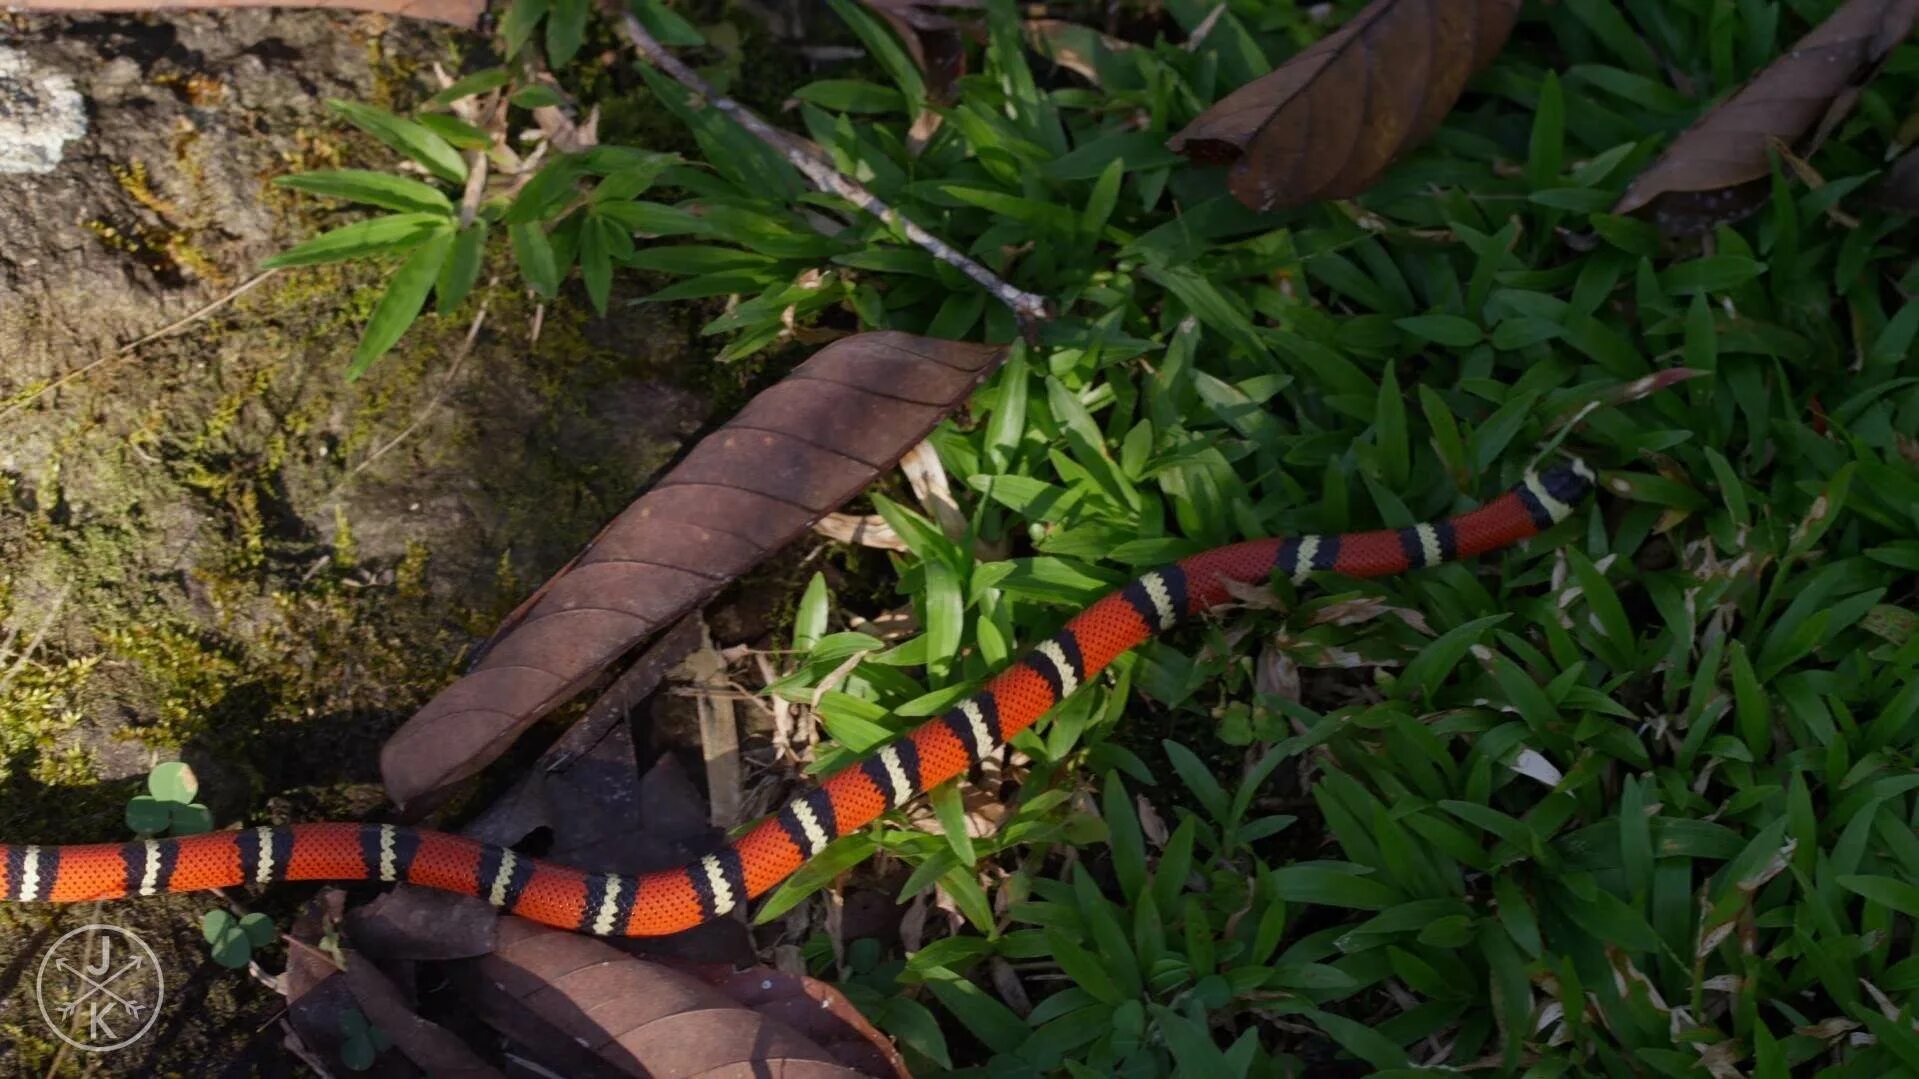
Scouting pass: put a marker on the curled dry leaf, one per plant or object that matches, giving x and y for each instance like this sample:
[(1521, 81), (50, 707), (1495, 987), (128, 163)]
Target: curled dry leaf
[(792, 455), (545, 987), (1362, 609), (927, 477), (870, 530), (465, 13), (813, 1008), (1276, 673), (1717, 170), (933, 40), (1327, 123)]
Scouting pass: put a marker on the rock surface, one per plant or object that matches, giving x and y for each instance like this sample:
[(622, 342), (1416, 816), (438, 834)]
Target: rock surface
[(40, 112), (216, 548)]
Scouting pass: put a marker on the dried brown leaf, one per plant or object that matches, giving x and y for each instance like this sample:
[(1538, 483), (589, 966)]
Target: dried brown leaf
[(423, 923), (1328, 122), (464, 13), (1715, 171), (792, 455), (813, 1008), (641, 1017), (869, 530), (1276, 673), (935, 42), (1362, 609)]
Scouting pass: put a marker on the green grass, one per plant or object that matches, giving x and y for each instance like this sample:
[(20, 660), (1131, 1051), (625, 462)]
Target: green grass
[(1643, 800), (1717, 663)]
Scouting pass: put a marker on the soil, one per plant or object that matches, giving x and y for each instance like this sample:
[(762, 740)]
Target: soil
[(216, 548)]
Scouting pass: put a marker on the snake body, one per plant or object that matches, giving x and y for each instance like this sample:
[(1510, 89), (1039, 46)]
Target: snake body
[(668, 901)]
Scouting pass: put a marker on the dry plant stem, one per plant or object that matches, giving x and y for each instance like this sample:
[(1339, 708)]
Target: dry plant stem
[(1030, 309), (127, 349), (633, 685), (719, 732), (298, 1047), (33, 644), (452, 376)]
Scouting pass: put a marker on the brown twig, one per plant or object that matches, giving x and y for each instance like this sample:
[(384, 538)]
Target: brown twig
[(1030, 309), (446, 386), (33, 643), (129, 348)]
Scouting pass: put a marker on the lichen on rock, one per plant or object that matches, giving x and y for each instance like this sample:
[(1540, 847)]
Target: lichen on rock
[(40, 112)]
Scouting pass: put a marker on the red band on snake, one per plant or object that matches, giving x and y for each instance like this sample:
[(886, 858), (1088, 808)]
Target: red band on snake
[(676, 899)]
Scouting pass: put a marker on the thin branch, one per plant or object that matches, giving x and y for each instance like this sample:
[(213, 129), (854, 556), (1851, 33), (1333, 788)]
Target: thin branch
[(1030, 308), (245, 287), (131, 347), (452, 376), (33, 644)]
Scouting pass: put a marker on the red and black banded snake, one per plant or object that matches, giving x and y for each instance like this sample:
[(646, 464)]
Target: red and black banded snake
[(943, 747)]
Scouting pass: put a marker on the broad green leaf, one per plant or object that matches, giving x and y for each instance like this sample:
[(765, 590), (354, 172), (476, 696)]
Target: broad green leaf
[(1333, 887), (395, 232), (537, 95), (819, 871), (565, 30), (371, 188), (457, 132), (406, 136), (147, 815), (534, 253), (405, 294), (479, 82), (173, 781), (851, 95), (1896, 895), (461, 268), (1448, 330), (1435, 662), (950, 808)]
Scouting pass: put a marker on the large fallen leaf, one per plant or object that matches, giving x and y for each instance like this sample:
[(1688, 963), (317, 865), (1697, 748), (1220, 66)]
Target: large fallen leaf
[(1327, 123), (1717, 170), (464, 13), (543, 986), (792, 455)]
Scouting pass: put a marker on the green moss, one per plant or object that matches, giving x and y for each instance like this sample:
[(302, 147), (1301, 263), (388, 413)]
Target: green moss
[(189, 674), (39, 705)]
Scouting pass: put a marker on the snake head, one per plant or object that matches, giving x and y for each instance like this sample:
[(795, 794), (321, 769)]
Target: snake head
[(1570, 482)]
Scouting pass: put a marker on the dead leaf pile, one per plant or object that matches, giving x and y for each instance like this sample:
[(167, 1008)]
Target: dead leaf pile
[(453, 987)]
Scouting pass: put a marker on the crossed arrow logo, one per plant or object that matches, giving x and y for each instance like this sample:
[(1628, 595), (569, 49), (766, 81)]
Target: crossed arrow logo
[(98, 989)]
